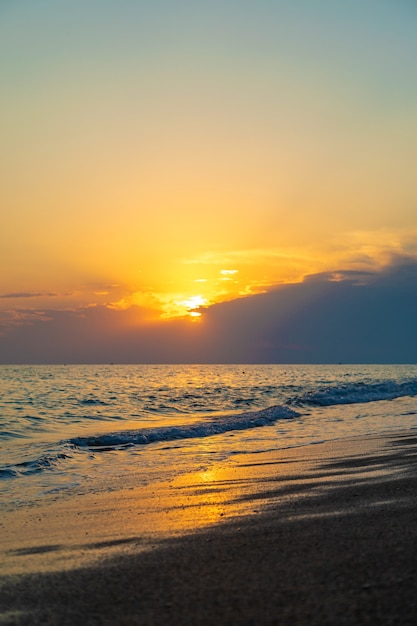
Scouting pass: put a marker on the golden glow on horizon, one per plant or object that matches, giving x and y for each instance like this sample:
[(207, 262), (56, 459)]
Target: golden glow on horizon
[(254, 271)]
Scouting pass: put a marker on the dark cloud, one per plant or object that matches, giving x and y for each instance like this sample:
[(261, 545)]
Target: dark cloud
[(349, 317), (28, 294), (356, 318), (401, 271), (98, 335), (353, 275)]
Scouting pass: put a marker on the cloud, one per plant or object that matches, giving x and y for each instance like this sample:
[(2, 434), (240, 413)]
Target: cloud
[(12, 318), (358, 277), (98, 335), (246, 256), (340, 316), (360, 317), (401, 269), (28, 294)]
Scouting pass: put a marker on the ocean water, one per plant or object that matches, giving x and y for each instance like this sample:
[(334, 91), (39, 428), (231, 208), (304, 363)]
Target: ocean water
[(68, 430)]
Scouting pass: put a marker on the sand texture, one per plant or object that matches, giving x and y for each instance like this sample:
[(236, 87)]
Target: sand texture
[(319, 535)]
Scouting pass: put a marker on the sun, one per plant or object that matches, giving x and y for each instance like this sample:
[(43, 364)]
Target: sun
[(194, 302), (195, 315), (192, 306)]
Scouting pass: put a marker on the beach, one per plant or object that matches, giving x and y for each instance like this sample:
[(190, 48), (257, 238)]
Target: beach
[(319, 534)]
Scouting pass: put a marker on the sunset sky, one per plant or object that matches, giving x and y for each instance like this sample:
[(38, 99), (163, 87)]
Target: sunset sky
[(161, 158)]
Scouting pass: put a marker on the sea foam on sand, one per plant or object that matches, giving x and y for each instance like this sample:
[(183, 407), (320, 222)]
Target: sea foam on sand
[(321, 534)]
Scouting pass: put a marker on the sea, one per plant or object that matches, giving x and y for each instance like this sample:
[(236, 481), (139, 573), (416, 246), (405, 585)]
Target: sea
[(70, 430)]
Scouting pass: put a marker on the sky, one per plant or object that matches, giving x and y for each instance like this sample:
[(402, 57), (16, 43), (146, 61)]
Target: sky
[(188, 181)]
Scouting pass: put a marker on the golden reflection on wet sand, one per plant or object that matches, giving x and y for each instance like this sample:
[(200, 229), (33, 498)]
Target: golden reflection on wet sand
[(69, 532)]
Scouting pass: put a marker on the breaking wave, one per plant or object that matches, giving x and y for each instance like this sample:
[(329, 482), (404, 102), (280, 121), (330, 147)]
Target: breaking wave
[(355, 393), (218, 426)]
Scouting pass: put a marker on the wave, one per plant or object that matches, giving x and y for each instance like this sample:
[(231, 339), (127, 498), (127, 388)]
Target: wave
[(355, 393), (46, 462), (291, 407), (34, 466), (128, 438), (92, 401), (350, 393)]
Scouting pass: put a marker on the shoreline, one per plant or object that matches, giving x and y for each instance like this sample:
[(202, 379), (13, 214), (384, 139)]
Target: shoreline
[(308, 535)]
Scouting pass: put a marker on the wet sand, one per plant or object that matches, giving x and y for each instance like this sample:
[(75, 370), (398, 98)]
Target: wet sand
[(324, 534)]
